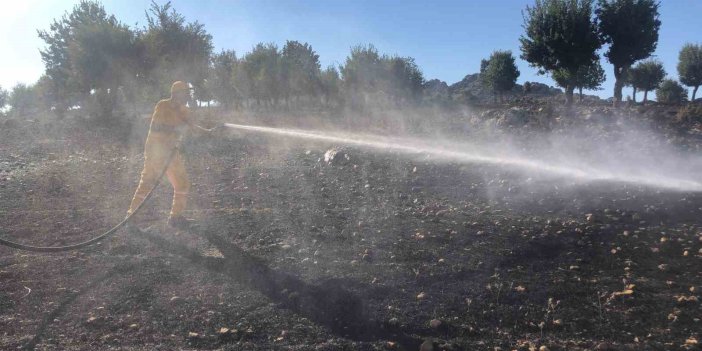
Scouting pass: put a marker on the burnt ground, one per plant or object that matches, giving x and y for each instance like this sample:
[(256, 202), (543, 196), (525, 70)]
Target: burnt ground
[(379, 251)]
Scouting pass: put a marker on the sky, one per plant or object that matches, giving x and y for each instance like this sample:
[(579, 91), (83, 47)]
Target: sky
[(447, 38)]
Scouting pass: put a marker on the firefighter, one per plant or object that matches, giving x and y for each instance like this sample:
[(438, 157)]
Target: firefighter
[(168, 122)]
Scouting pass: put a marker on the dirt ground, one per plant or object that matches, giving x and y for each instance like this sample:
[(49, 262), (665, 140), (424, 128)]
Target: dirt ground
[(374, 252)]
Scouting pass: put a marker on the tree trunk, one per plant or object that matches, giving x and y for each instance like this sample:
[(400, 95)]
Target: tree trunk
[(580, 92), (619, 75), (645, 96), (633, 95), (694, 92), (569, 95)]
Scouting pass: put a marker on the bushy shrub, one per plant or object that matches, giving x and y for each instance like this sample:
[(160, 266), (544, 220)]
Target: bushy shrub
[(671, 92)]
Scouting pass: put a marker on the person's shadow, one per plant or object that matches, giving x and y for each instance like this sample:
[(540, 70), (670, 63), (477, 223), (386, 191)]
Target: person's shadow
[(327, 304)]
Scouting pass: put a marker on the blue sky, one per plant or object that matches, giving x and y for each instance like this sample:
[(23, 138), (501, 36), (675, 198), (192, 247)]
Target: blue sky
[(447, 38)]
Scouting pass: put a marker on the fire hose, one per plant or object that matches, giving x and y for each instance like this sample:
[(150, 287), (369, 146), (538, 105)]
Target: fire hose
[(102, 236)]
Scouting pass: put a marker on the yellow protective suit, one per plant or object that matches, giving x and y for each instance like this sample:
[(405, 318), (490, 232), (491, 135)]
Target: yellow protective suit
[(168, 122)]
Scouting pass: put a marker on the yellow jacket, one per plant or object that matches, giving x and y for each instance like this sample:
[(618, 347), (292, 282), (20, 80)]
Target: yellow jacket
[(168, 122)]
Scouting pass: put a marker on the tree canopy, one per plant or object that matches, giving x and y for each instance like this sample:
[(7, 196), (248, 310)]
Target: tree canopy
[(300, 70), (94, 60), (22, 99), (68, 39), (220, 81), (690, 67), (560, 38), (630, 28), (499, 73), (646, 76), (586, 78), (174, 49), (671, 92)]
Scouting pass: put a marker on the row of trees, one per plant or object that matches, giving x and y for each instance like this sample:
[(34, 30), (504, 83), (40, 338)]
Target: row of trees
[(499, 74), (22, 98), (649, 75), (268, 75), (93, 60), (690, 67), (562, 38)]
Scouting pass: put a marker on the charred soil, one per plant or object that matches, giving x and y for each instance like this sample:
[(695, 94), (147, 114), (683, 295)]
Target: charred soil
[(372, 251)]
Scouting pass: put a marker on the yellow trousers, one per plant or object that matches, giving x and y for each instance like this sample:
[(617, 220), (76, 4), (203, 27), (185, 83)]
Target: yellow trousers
[(155, 157)]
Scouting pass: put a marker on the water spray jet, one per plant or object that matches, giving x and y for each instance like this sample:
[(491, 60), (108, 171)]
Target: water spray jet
[(413, 146)]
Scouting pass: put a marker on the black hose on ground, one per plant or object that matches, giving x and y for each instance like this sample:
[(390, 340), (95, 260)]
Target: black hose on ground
[(100, 237)]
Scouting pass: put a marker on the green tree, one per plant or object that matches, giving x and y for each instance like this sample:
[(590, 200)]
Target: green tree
[(586, 78), (102, 57), (499, 73), (261, 68), (101, 54), (243, 83), (403, 79), (646, 76), (46, 99), (331, 85), (630, 27), (690, 67), (590, 78), (560, 36), (22, 99), (366, 72), (362, 73), (300, 71), (362, 69), (220, 82), (174, 49), (671, 92), (56, 54)]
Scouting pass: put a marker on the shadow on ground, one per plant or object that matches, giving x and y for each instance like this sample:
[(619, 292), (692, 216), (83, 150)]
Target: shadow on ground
[(327, 304)]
